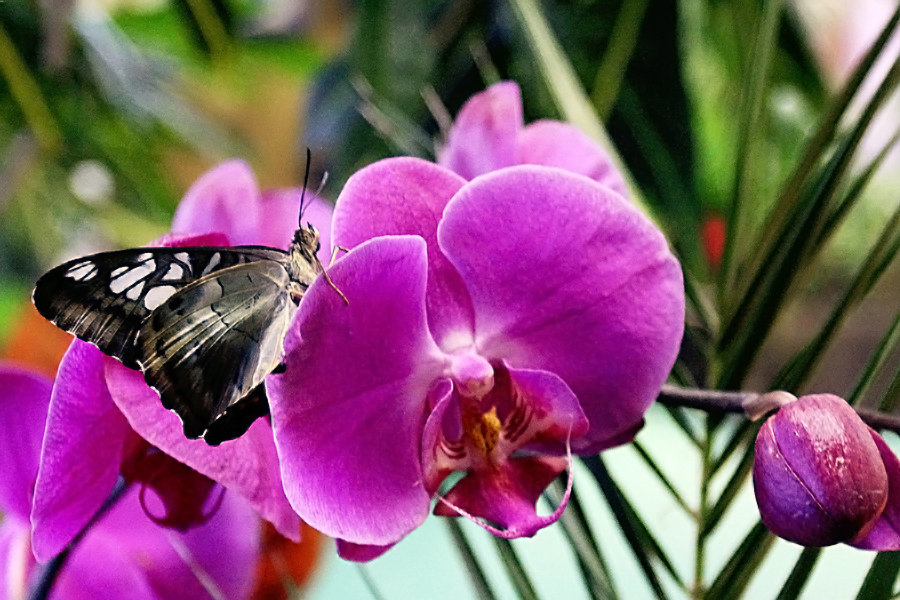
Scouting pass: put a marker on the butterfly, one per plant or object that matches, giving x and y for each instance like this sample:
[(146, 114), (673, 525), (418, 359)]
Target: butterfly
[(205, 325)]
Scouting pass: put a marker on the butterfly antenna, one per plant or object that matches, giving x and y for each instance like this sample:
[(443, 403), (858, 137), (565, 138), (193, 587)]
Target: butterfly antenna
[(305, 182)]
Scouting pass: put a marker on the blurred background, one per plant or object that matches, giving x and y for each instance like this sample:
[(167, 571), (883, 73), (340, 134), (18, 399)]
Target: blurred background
[(110, 109)]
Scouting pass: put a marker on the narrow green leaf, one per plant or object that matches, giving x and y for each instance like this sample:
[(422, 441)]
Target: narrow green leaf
[(651, 464), (470, 560), (584, 544), (28, 95), (799, 574), (879, 581), (745, 332), (611, 66), (749, 129), (392, 124), (887, 346), (207, 20), (700, 304), (854, 192), (816, 149), (892, 396), (741, 436), (567, 91), (639, 537), (683, 422), (806, 217), (369, 582), (712, 516), (518, 576), (798, 370), (740, 568)]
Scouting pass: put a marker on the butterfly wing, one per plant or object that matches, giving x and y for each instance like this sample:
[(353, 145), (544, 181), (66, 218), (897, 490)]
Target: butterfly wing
[(105, 298), (209, 346)]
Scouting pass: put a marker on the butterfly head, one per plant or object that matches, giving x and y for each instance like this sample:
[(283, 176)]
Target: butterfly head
[(305, 265)]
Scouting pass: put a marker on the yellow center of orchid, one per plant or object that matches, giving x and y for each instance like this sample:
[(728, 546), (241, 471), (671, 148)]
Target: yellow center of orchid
[(482, 429)]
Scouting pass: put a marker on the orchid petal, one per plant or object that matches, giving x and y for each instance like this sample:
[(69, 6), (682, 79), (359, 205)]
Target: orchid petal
[(348, 411), (483, 137), (25, 398), (554, 413), (281, 206), (125, 548), (171, 240), (506, 496), (557, 144), (16, 560), (885, 533), (360, 552), (593, 296), (247, 465), (225, 199), (83, 447), (367, 207)]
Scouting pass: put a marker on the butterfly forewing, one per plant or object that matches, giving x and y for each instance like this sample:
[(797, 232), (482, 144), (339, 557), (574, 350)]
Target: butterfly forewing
[(204, 324), (212, 343), (105, 298)]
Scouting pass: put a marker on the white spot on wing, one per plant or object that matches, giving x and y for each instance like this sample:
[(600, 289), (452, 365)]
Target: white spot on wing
[(134, 292), (183, 257), (82, 271), (214, 260), (175, 272), (131, 276), (157, 296)]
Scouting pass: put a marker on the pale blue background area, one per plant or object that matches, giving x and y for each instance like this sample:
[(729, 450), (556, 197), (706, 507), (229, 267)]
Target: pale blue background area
[(426, 564)]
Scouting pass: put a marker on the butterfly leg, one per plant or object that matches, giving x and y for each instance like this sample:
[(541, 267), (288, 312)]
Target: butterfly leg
[(334, 253), (335, 288)]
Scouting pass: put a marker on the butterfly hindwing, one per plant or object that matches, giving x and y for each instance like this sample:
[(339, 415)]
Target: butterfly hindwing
[(207, 348), (105, 298)]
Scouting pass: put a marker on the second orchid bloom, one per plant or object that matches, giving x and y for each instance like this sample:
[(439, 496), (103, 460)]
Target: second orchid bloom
[(492, 326)]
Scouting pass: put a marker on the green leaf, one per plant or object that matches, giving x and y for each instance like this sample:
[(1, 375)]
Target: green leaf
[(887, 346), (584, 544), (518, 576), (749, 130), (773, 229), (470, 560), (737, 573), (799, 369), (639, 537), (712, 516), (744, 333), (879, 582), (799, 574), (567, 91), (651, 464), (611, 66)]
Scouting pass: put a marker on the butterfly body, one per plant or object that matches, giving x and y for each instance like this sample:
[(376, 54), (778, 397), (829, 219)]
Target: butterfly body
[(205, 325)]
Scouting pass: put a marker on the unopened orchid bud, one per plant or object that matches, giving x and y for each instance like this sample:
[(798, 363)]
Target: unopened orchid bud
[(822, 476)]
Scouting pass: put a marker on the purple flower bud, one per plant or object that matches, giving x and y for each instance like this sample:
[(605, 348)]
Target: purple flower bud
[(822, 476)]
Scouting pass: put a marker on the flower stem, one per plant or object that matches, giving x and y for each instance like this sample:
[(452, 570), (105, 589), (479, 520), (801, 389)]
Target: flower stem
[(716, 401), (50, 571)]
